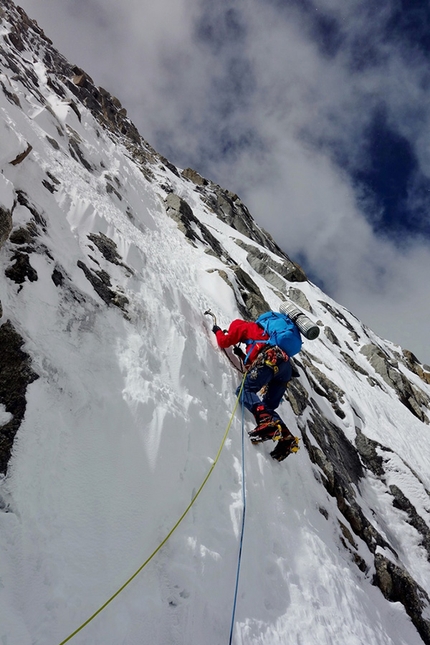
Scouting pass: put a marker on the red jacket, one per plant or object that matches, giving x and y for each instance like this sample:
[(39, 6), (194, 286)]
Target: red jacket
[(239, 332)]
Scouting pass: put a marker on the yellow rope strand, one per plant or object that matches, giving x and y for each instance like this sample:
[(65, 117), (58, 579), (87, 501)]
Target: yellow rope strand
[(136, 573)]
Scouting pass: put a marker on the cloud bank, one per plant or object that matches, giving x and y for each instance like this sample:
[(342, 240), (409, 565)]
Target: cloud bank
[(315, 112)]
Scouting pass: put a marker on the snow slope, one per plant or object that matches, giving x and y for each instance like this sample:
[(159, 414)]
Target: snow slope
[(130, 409)]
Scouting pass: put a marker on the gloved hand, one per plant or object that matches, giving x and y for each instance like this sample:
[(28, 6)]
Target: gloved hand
[(215, 328), (239, 352)]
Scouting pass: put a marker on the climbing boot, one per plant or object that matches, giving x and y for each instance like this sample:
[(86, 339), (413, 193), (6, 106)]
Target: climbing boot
[(266, 430), (285, 446), (267, 425)]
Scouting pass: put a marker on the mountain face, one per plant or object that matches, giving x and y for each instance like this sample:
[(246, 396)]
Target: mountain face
[(114, 400)]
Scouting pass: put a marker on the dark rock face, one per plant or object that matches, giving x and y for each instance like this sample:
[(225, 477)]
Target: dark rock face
[(270, 269), (194, 176), (16, 375), (24, 234), (367, 449), (401, 502), (322, 385), (180, 211), (5, 224), (352, 363), (26, 238), (398, 586), (57, 277), (338, 450), (11, 96), (20, 158), (21, 269), (76, 152), (108, 249), (101, 283), (387, 368), (412, 363), (339, 316), (106, 108), (331, 336), (298, 396), (297, 296), (254, 302)]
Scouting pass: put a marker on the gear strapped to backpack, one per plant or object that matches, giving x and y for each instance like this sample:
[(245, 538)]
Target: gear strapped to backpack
[(282, 332)]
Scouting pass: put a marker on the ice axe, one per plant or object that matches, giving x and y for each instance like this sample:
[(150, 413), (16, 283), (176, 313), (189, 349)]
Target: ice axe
[(208, 312), (236, 350)]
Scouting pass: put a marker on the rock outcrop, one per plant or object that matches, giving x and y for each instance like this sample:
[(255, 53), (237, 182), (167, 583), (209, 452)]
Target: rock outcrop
[(16, 374)]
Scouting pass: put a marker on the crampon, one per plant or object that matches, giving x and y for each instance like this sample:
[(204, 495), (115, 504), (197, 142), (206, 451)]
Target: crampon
[(285, 447), (271, 429)]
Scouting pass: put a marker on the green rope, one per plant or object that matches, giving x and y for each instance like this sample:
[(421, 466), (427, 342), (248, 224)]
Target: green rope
[(136, 573)]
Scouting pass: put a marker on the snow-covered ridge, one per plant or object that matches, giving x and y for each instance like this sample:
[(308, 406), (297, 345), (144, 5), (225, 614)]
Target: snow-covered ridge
[(114, 400)]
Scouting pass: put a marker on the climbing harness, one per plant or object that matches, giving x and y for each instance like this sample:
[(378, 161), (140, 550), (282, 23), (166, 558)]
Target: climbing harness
[(136, 573), (269, 356)]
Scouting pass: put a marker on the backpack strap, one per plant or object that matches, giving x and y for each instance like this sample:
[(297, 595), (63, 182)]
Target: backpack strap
[(250, 344)]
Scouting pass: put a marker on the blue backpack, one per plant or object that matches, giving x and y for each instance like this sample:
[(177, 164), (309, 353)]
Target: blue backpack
[(282, 331)]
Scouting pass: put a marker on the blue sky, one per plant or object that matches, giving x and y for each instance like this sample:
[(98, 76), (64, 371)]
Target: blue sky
[(316, 112)]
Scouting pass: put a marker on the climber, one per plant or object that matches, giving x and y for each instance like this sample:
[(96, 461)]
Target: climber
[(268, 366)]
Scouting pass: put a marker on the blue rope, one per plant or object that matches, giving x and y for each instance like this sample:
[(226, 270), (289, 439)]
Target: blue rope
[(243, 525)]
